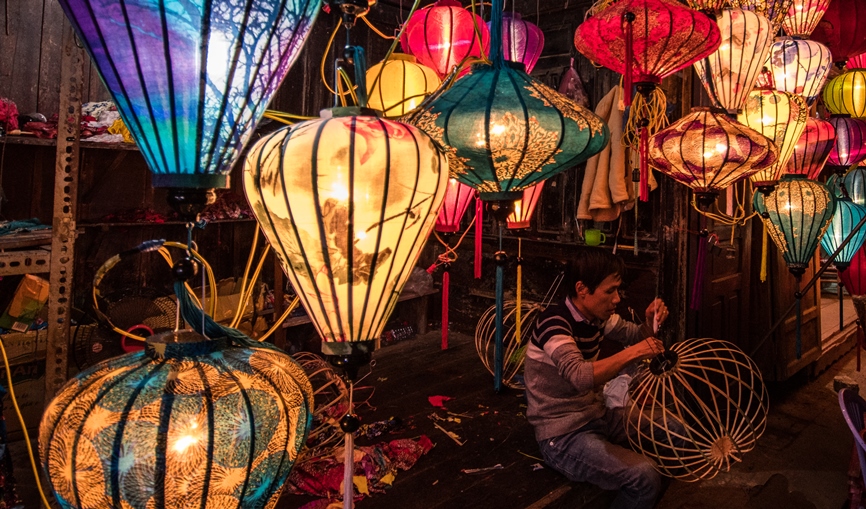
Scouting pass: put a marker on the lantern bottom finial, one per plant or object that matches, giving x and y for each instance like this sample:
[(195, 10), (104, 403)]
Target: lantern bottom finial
[(188, 202), (765, 188), (705, 200), (663, 362), (501, 209), (797, 270), (349, 356)]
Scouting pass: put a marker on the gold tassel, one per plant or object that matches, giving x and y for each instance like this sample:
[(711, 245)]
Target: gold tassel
[(652, 109)]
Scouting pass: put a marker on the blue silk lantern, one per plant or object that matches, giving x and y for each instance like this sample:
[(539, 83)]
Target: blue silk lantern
[(854, 182), (796, 213), (191, 79), (848, 214), (188, 422)]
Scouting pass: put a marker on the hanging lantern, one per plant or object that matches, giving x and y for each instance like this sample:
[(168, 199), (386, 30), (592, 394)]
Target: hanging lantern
[(708, 6), (841, 29), (852, 185), (854, 276), (848, 214), (803, 16), (773, 10), (856, 62), (524, 208), (708, 151), (522, 41), (730, 72), (402, 85), (347, 202), (442, 35), (812, 149), (457, 200), (846, 94), (800, 66), (796, 215), (188, 421), (191, 83), (850, 146), (781, 117)]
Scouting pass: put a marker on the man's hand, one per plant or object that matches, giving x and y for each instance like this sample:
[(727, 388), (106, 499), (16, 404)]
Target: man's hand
[(646, 349), (656, 314)]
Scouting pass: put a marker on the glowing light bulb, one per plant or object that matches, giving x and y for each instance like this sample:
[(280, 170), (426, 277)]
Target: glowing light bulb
[(721, 148), (497, 129), (767, 120), (184, 443)]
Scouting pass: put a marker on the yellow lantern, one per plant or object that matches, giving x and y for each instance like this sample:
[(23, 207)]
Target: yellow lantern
[(846, 94), (402, 85), (780, 116)]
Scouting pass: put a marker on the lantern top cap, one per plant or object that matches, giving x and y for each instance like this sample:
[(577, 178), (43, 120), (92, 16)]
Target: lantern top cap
[(181, 343), (348, 111), (794, 176), (448, 3), (517, 66), (512, 15), (402, 56)]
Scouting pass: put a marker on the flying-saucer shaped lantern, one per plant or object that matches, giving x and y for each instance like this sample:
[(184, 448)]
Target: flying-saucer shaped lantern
[(812, 149)]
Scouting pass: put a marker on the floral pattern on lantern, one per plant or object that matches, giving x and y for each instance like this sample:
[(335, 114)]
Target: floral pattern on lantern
[(442, 35), (347, 202), (189, 421), (850, 146), (800, 66), (774, 10), (781, 117), (730, 72), (812, 149), (457, 200), (524, 208), (841, 29), (848, 214), (796, 213), (803, 16), (522, 41), (846, 94), (402, 85), (708, 151)]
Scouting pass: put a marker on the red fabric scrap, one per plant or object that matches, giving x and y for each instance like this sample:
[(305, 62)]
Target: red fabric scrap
[(438, 401), (8, 114)]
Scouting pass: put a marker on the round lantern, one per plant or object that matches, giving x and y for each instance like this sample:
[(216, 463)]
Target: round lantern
[(854, 276), (848, 214), (856, 62), (800, 66), (730, 72), (796, 215), (803, 16), (854, 182), (401, 86), (846, 94), (781, 117), (812, 149), (524, 208), (708, 151), (697, 408), (850, 146), (841, 29), (522, 41), (347, 202), (774, 10), (457, 200), (188, 421), (442, 35)]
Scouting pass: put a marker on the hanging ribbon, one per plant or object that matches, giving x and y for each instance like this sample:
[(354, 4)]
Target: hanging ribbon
[(764, 255), (479, 214), (628, 21), (446, 280), (644, 160)]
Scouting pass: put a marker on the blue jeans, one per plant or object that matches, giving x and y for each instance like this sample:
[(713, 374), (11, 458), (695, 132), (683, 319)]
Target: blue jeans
[(598, 453)]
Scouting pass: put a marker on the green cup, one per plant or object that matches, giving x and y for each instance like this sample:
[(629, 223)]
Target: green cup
[(593, 237)]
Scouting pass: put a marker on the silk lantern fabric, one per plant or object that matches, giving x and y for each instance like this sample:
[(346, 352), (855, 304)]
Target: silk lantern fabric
[(846, 94), (401, 86), (729, 73), (442, 35), (524, 208), (189, 421), (347, 201), (843, 29), (812, 149), (856, 62), (800, 66), (854, 275), (854, 182), (191, 79), (803, 16), (708, 151), (781, 117), (522, 41), (848, 214), (457, 200), (774, 10), (850, 146)]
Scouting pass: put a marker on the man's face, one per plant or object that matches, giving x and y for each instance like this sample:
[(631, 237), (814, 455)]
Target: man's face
[(601, 303)]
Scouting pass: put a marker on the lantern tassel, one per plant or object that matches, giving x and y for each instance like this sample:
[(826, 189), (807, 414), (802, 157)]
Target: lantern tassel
[(446, 280), (479, 212), (764, 255), (517, 331), (644, 164), (698, 284), (628, 19)]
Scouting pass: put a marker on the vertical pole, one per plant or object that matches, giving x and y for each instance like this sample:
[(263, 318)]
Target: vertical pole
[(500, 258)]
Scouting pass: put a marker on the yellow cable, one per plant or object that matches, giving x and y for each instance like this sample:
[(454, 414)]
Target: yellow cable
[(349, 85), (23, 425), (393, 46), (325, 59), (246, 273), (279, 322), (376, 30), (245, 296)]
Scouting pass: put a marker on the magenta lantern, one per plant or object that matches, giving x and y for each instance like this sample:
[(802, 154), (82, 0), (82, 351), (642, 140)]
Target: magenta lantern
[(521, 40), (850, 146), (457, 199), (856, 62), (843, 29), (812, 149), (441, 36), (524, 208)]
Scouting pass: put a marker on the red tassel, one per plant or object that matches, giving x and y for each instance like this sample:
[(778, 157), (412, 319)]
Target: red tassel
[(479, 219), (628, 19), (644, 164), (445, 283)]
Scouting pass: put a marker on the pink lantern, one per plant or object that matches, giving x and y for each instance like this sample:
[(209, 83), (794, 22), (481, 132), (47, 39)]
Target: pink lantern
[(441, 36), (457, 199), (524, 208), (812, 149), (850, 146), (856, 62), (521, 40), (843, 28), (803, 16)]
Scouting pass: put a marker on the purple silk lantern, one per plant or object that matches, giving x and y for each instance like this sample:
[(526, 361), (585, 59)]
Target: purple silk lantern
[(850, 147), (812, 149), (521, 40)]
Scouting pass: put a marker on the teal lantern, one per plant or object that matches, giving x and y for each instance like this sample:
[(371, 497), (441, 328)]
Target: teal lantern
[(504, 131), (187, 422), (853, 182), (796, 213), (848, 215)]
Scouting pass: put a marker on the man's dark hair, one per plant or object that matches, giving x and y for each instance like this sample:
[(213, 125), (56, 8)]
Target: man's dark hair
[(591, 266)]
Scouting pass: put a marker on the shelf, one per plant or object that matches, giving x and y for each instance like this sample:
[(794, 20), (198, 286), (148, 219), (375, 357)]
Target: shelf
[(51, 142), (165, 223)]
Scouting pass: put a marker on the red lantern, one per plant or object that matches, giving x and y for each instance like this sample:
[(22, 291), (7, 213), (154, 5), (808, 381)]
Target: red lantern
[(524, 208), (812, 149), (850, 146), (457, 199), (854, 277), (441, 36), (843, 29)]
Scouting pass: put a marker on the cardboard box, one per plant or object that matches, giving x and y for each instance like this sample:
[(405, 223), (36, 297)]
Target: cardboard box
[(30, 297), (28, 380)]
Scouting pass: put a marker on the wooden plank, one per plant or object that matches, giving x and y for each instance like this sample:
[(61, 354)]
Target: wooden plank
[(26, 239), (48, 90), (8, 41), (25, 64)]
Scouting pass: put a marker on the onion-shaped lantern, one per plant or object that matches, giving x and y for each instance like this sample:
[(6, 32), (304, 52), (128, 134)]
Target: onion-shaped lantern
[(187, 421), (401, 86), (850, 146), (522, 41), (730, 72), (524, 208), (698, 407), (841, 29), (191, 82), (773, 10), (848, 214), (803, 16), (856, 62), (800, 66), (796, 215), (846, 94), (347, 201), (442, 35), (457, 200), (780, 116), (812, 149), (708, 151)]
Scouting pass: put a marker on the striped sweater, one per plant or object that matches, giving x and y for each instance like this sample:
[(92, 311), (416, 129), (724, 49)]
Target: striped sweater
[(560, 391)]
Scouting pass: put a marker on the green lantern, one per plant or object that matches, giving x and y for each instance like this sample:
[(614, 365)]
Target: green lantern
[(848, 215), (796, 213), (504, 131)]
